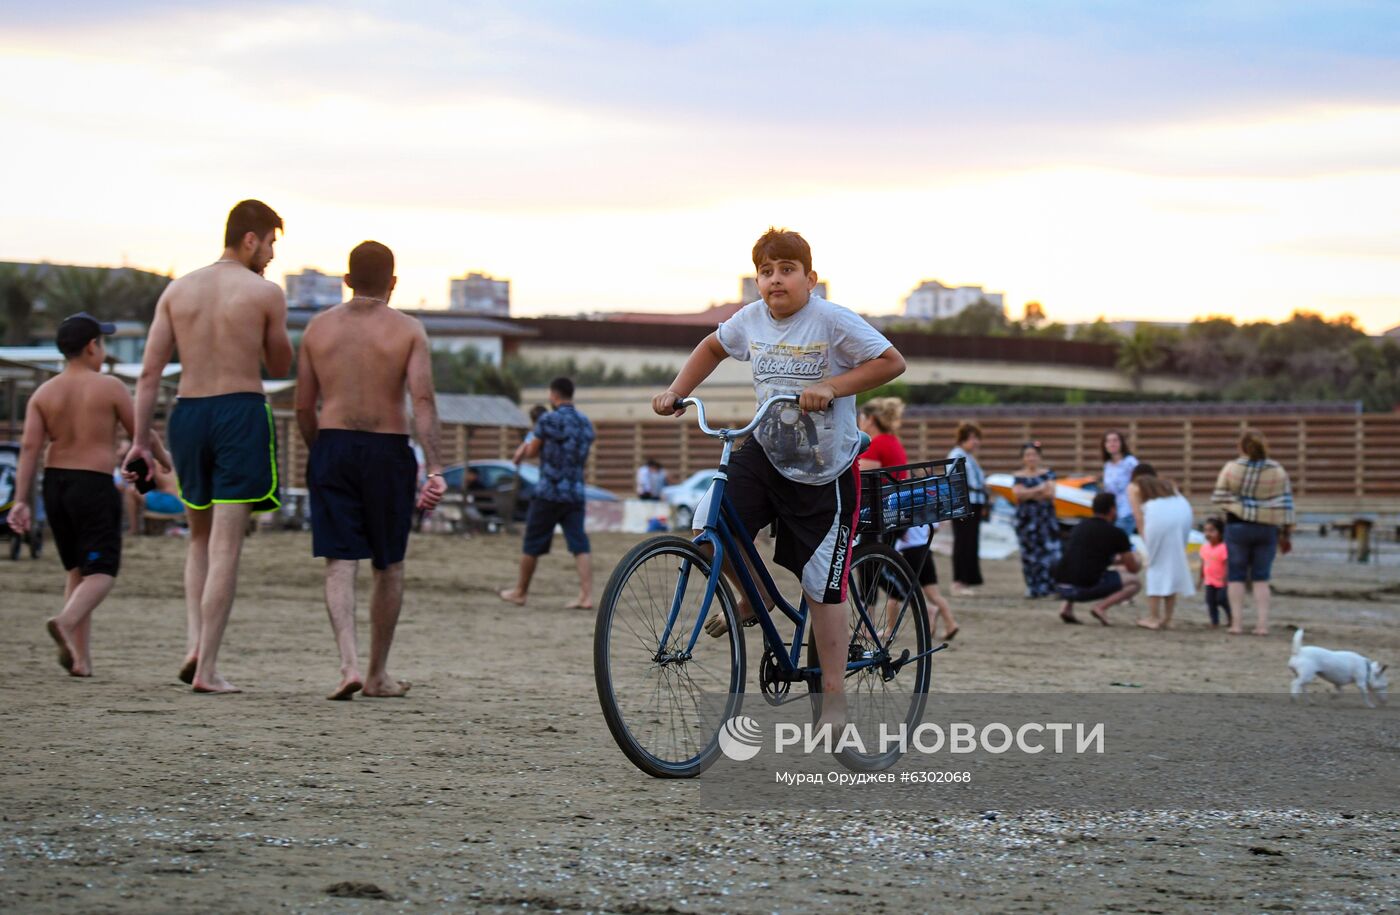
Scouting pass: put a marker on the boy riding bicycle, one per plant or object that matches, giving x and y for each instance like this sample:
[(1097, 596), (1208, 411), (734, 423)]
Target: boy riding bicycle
[(798, 469)]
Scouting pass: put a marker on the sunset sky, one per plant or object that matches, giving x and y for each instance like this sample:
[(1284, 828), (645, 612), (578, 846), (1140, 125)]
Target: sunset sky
[(1135, 160)]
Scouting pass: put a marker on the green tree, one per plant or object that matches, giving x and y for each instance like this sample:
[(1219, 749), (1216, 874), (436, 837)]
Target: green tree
[(974, 395), (468, 372), (21, 289), (113, 294), (1145, 351), (980, 319), (1098, 332)]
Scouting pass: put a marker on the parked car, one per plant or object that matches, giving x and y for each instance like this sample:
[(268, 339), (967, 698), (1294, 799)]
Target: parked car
[(9, 470), (684, 496), (501, 475)]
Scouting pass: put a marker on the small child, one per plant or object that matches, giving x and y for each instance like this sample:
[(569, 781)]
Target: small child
[(1214, 556)]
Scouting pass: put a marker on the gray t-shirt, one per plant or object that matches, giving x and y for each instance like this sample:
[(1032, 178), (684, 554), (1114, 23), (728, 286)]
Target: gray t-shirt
[(821, 341)]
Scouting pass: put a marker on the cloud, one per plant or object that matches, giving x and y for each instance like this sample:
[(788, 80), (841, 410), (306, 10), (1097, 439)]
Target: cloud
[(1030, 146), (959, 67)]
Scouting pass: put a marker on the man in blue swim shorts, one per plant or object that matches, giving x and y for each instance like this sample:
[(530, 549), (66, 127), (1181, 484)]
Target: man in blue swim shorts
[(358, 359), (227, 322)]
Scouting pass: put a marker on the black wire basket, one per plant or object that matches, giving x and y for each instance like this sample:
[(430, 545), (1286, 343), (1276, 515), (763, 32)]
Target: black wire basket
[(933, 491)]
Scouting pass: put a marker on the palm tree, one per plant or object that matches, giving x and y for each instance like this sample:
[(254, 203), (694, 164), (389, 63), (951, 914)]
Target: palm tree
[(1141, 353), (20, 287)]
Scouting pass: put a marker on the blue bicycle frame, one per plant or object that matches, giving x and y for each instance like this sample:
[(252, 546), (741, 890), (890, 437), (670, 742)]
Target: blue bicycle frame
[(720, 524)]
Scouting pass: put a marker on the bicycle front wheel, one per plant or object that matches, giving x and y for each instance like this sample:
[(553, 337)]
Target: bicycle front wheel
[(664, 698), (890, 644)]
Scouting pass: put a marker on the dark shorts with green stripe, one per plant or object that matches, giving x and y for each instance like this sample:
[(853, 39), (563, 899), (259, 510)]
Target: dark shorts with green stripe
[(225, 451)]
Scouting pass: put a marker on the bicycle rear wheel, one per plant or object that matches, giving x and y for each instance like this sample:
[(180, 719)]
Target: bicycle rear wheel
[(888, 693), (664, 701)]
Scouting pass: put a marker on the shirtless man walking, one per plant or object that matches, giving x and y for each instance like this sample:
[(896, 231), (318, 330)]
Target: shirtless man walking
[(227, 321), (358, 359), (77, 413)]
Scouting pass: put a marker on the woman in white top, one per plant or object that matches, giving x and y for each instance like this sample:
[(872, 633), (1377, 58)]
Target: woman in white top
[(1118, 465), (1164, 516)]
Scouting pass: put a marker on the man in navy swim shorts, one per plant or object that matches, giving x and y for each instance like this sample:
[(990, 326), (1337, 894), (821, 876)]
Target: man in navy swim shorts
[(358, 359)]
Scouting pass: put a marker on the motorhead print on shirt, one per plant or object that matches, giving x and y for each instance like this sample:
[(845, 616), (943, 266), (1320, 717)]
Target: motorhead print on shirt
[(819, 342)]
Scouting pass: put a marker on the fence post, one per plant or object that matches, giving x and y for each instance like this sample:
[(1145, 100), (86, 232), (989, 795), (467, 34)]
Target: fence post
[(1360, 457), (1187, 443), (1301, 486), (682, 430), (1079, 445)]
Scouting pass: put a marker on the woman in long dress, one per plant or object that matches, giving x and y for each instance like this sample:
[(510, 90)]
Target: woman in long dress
[(1037, 531), (1164, 517)]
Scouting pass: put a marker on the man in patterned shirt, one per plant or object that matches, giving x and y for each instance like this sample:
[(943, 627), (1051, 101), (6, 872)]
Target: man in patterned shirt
[(561, 440)]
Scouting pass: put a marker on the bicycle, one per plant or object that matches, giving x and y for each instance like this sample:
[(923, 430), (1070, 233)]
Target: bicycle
[(653, 670)]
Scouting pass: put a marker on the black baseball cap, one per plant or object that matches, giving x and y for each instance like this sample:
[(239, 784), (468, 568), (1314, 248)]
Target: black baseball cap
[(78, 330)]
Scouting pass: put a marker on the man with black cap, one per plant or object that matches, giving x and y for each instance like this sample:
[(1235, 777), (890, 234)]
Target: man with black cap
[(76, 413)]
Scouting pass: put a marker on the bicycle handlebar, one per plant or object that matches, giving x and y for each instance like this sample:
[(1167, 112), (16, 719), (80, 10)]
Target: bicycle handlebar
[(733, 433)]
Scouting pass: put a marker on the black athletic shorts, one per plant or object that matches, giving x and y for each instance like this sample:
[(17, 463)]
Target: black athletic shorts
[(815, 524), (85, 514), (924, 572), (225, 451), (362, 488)]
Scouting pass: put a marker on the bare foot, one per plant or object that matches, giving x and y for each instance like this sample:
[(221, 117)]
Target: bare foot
[(1149, 624), (1100, 614), (218, 686), (387, 688), (1066, 616), (510, 596), (833, 712), (188, 668), (952, 633), (348, 688), (1234, 631), (716, 625), (1261, 630), (579, 604), (65, 650)]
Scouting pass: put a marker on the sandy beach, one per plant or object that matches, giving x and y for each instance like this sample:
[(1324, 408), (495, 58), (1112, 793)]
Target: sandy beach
[(494, 786)]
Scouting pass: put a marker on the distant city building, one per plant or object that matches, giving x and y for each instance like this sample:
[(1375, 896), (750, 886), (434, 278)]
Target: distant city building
[(313, 289), (932, 300), (479, 294), (748, 289)]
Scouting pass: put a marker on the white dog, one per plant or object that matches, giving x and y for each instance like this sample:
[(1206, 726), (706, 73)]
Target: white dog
[(1338, 668)]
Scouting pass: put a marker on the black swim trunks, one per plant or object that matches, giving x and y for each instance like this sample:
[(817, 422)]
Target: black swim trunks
[(225, 451), (85, 514), (814, 522), (362, 495)]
